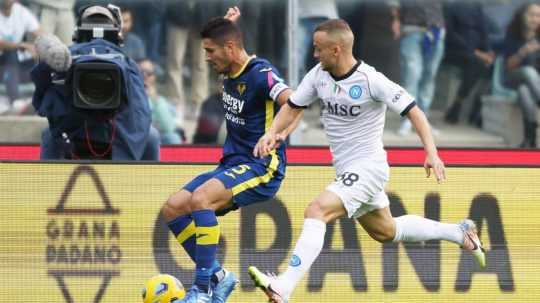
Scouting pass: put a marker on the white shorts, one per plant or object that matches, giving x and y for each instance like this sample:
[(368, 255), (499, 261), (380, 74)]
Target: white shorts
[(361, 187)]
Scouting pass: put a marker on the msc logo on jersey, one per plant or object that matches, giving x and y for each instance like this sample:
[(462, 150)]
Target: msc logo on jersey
[(241, 88), (355, 91)]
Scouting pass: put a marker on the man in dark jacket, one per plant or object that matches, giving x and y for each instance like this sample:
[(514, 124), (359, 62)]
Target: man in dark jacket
[(467, 47), (121, 133)]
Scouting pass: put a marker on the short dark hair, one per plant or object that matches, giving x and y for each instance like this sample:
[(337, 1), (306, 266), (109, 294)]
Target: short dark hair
[(221, 30), (333, 25)]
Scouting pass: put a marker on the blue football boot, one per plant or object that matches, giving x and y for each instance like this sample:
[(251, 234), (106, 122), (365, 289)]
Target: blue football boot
[(196, 295), (222, 289)]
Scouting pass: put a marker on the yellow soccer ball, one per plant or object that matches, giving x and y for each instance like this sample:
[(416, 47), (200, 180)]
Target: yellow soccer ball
[(163, 289)]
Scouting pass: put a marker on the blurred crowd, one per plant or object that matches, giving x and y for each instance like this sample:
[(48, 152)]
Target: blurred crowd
[(484, 43)]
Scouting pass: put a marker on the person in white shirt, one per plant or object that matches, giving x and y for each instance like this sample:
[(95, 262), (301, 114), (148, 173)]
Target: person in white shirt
[(16, 21), (355, 98), (56, 17)]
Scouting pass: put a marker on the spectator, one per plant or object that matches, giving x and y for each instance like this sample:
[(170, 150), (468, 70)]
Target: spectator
[(184, 19), (16, 21), (421, 51), (310, 14), (468, 48), (249, 23), (498, 14), (56, 17), (150, 16), (133, 45), (272, 38), (377, 26), (163, 115), (522, 59)]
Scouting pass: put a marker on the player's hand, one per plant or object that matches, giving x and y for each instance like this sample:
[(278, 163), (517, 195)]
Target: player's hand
[(233, 14), (433, 162), (266, 144)]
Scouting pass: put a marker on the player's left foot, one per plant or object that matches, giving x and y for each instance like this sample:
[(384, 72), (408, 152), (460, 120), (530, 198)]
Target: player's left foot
[(263, 282), (223, 288), (471, 242)]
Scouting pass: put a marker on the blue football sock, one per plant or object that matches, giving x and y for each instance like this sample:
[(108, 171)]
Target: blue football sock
[(183, 229), (207, 239)]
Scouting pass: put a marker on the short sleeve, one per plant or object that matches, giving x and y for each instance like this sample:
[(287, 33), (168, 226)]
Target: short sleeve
[(394, 96), (274, 85), (306, 92), (31, 23)]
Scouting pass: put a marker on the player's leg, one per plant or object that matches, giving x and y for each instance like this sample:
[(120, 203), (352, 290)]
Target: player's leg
[(207, 198), (177, 213), (180, 211), (244, 184), (250, 183), (382, 227), (325, 208)]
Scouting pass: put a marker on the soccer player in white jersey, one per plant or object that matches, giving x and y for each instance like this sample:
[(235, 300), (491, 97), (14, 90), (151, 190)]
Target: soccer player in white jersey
[(355, 98)]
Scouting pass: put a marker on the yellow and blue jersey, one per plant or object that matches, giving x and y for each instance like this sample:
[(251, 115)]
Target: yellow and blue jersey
[(248, 99), (249, 112)]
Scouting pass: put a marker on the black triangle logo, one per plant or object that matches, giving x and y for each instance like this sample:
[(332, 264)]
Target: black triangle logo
[(61, 208), (61, 275)]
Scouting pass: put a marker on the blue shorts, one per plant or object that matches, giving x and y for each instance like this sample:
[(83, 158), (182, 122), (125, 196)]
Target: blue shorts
[(250, 182)]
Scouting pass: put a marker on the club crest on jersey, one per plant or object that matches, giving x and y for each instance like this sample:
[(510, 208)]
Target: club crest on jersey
[(355, 91), (241, 88), (295, 261)]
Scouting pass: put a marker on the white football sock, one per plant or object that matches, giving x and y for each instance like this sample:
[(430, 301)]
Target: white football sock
[(307, 249), (412, 228)]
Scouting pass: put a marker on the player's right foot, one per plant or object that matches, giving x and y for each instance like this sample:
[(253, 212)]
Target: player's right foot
[(196, 295), (264, 282), (223, 288), (471, 242)]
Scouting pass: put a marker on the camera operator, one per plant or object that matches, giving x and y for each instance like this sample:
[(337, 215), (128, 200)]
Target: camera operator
[(92, 94)]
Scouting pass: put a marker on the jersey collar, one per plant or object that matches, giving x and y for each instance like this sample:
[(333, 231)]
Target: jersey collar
[(348, 74), (238, 73)]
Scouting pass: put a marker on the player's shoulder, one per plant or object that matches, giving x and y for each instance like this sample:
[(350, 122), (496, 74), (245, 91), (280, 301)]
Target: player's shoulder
[(365, 68), (262, 70), (369, 74), (261, 65), (316, 73), (317, 69)]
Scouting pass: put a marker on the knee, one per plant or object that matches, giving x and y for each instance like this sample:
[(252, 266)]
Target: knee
[(529, 72), (412, 67), (200, 200), (382, 237), (322, 211), (176, 205), (314, 210), (383, 233)]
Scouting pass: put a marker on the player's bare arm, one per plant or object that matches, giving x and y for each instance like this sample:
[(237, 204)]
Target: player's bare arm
[(423, 129), (286, 116), (282, 99)]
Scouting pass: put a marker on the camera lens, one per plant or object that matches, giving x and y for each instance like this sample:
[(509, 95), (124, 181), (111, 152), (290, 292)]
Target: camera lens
[(97, 87)]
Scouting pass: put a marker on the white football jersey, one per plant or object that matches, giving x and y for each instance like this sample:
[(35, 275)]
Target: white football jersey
[(354, 108)]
